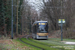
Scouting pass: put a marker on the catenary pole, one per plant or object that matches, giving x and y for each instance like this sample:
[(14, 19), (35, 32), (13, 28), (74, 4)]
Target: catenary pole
[(17, 19), (12, 22)]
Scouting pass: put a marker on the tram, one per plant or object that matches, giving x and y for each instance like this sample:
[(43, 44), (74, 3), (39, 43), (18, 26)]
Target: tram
[(40, 30)]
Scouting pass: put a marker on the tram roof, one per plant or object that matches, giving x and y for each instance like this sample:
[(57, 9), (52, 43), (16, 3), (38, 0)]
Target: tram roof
[(39, 21)]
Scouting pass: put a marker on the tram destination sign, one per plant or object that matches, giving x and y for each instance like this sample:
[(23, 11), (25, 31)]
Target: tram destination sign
[(42, 23)]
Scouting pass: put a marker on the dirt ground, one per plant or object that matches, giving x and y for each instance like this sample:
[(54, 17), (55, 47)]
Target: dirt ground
[(6, 43)]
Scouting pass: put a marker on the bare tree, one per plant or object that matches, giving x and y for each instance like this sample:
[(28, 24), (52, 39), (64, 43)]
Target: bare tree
[(59, 9)]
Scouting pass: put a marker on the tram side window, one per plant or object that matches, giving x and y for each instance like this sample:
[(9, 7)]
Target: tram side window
[(46, 28), (34, 29)]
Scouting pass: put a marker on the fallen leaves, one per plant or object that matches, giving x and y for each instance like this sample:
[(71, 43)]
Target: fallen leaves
[(10, 44)]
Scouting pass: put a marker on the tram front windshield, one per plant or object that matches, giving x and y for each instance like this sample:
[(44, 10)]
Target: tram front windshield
[(43, 29)]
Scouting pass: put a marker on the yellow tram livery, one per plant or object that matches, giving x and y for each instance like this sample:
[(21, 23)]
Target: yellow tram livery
[(40, 30)]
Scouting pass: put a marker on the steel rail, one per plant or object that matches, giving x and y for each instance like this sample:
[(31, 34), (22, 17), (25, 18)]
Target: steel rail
[(28, 36), (28, 43), (40, 43), (36, 42)]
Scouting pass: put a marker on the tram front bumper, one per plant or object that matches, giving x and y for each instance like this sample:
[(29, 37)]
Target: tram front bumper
[(42, 37)]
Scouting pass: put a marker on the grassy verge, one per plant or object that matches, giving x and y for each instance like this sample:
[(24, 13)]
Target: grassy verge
[(39, 45), (59, 44), (54, 41), (58, 39), (15, 44)]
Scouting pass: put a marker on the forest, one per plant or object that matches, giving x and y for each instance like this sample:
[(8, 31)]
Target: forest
[(24, 15)]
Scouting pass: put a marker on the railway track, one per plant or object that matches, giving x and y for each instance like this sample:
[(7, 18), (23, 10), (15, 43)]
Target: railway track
[(30, 44), (37, 42), (27, 38), (42, 43)]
